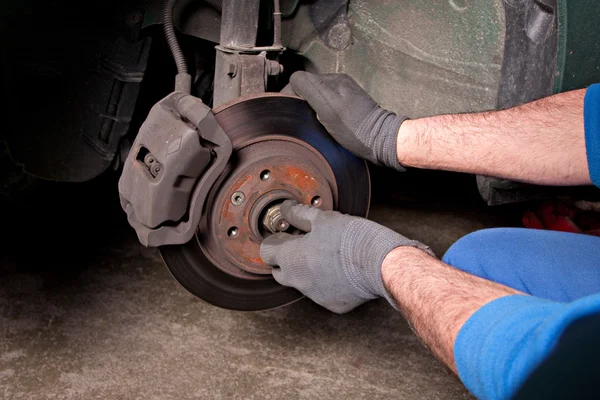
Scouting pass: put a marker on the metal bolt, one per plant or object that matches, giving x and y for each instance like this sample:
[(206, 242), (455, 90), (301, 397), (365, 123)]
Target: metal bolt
[(283, 225), (273, 221), (232, 232), (149, 159), (155, 169), (274, 68), (238, 198)]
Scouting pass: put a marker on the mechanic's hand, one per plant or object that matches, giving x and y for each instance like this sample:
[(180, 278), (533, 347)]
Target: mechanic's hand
[(351, 116), (338, 263)]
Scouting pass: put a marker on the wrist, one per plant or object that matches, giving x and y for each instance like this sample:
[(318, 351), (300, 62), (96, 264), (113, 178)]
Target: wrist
[(388, 153), (404, 141), (398, 259), (393, 270)]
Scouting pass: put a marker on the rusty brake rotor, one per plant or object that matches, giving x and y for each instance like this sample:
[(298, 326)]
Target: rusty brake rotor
[(280, 152)]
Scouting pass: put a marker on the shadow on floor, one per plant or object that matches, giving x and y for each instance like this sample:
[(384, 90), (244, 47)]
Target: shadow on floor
[(86, 312)]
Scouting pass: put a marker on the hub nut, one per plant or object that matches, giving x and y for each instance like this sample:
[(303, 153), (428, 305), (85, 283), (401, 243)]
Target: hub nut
[(273, 221)]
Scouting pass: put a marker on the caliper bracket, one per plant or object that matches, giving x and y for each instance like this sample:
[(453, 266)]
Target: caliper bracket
[(177, 156)]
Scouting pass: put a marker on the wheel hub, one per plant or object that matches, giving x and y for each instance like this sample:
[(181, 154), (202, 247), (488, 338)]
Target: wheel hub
[(280, 152), (268, 170)]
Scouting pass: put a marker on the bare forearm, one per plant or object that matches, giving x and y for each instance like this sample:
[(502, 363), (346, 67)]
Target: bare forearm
[(436, 298), (541, 142)]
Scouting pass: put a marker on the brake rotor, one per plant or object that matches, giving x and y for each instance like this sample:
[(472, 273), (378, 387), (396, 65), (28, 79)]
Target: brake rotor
[(281, 152)]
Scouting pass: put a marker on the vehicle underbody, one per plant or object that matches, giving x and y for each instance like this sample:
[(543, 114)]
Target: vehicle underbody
[(185, 97)]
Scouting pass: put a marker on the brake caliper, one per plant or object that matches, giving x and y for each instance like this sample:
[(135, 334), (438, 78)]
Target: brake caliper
[(177, 156)]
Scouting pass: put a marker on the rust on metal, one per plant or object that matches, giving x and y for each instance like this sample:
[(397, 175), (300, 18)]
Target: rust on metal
[(296, 171), (269, 133)]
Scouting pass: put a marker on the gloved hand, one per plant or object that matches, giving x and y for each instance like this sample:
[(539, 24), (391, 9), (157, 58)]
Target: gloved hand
[(338, 262), (351, 116)]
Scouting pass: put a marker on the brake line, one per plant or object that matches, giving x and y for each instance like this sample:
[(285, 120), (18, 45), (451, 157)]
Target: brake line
[(183, 80)]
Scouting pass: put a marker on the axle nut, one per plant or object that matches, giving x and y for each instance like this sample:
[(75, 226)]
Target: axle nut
[(273, 221)]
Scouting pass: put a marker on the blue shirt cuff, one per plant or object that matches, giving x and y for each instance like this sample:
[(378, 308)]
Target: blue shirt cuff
[(501, 344), (591, 118)]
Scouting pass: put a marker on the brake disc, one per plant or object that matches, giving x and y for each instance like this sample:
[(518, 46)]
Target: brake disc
[(280, 151)]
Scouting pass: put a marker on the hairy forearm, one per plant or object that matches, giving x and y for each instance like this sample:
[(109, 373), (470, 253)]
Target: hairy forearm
[(435, 298), (541, 142)]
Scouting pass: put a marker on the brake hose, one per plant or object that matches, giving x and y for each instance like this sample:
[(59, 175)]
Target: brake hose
[(183, 80)]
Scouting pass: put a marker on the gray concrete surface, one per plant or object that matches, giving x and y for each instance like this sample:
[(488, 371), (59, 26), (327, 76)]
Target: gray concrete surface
[(107, 321)]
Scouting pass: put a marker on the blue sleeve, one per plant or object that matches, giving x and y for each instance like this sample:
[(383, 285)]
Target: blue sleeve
[(591, 118), (502, 343)]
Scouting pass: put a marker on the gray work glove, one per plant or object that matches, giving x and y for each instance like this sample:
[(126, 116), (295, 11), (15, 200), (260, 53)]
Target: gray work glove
[(351, 116), (338, 263)]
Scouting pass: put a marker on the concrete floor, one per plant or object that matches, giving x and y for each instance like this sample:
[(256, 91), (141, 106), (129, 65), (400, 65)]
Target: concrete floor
[(92, 314)]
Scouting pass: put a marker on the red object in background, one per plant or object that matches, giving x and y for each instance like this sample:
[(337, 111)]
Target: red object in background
[(557, 216)]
